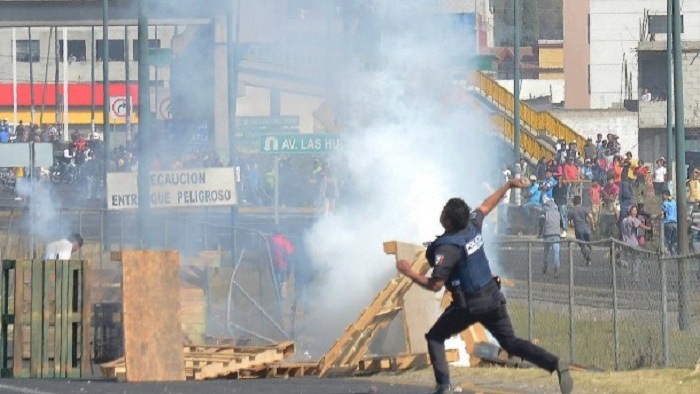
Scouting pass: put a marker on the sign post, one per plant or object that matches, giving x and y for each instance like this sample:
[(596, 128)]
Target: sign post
[(119, 107)]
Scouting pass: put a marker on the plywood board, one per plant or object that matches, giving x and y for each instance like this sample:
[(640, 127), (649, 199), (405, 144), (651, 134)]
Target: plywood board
[(152, 324), (420, 307)]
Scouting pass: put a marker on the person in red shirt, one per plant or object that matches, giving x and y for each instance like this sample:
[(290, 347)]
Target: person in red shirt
[(596, 200), (570, 173), (280, 250)]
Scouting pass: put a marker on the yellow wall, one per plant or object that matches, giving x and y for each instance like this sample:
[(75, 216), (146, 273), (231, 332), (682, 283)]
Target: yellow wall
[(552, 58), (78, 116)]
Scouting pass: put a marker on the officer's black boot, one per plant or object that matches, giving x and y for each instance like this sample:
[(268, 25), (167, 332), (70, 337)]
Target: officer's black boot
[(442, 389), (566, 382)]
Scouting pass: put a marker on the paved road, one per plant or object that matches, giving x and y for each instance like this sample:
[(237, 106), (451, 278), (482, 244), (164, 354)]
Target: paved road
[(261, 386)]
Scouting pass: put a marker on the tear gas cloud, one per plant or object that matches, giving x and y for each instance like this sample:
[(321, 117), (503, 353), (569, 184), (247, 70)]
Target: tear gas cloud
[(412, 143)]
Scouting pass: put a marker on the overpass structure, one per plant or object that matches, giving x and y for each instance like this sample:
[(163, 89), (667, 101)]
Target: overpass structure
[(25, 13)]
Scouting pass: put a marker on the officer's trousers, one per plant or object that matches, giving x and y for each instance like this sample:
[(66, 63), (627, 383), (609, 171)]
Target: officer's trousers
[(454, 320)]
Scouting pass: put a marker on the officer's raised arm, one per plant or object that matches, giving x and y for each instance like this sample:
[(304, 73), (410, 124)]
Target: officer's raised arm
[(492, 201)]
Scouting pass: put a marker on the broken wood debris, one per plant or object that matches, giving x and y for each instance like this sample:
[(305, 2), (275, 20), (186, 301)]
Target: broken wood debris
[(209, 362)]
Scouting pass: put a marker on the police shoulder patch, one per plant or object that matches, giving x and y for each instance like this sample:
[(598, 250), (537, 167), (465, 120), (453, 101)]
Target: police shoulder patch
[(439, 259)]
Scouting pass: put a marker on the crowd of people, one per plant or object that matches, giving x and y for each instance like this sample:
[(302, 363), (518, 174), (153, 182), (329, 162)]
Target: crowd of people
[(614, 185), (303, 182)]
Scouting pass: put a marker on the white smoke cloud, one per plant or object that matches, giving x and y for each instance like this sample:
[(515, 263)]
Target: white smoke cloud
[(412, 144), (43, 209)]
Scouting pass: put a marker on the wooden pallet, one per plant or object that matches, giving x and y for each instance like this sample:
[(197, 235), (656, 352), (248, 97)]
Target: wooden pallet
[(209, 362), (47, 328)]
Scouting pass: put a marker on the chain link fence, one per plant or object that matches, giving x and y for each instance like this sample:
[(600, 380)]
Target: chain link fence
[(630, 308)]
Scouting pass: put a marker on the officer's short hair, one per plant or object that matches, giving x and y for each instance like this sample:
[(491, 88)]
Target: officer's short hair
[(76, 238), (457, 212)]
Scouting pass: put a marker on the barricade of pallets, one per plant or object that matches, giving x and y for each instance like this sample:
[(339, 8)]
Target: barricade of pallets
[(45, 320)]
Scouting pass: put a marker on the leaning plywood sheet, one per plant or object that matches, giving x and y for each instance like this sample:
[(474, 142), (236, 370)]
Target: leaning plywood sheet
[(152, 327)]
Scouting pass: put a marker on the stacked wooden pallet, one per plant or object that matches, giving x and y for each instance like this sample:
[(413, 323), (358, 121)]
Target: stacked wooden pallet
[(209, 362)]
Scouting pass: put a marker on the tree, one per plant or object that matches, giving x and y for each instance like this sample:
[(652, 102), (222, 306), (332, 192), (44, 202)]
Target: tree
[(530, 23), (541, 19)]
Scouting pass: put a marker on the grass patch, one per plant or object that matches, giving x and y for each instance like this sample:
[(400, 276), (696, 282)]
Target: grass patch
[(640, 338)]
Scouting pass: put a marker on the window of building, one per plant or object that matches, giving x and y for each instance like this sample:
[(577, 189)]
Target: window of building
[(116, 50), (27, 51), (588, 78), (152, 44), (77, 51), (657, 24)]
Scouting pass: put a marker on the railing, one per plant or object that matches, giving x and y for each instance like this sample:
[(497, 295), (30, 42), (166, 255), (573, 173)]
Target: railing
[(539, 121), (528, 144)]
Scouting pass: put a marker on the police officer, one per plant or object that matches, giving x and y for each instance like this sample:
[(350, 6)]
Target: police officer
[(461, 264)]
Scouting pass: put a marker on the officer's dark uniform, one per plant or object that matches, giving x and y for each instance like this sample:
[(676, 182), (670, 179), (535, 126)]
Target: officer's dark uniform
[(460, 260)]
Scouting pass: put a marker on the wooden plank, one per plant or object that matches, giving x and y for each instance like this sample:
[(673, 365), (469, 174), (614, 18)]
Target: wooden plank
[(152, 328), (64, 323), (421, 309), (58, 301), (36, 319), (48, 277), (86, 350), (17, 340), (72, 318)]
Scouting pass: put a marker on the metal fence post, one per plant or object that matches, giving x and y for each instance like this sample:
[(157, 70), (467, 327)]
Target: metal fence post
[(571, 303), (664, 312), (529, 291), (616, 332)]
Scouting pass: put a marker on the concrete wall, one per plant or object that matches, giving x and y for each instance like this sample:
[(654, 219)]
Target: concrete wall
[(589, 123), (615, 32), (653, 114), (535, 88)]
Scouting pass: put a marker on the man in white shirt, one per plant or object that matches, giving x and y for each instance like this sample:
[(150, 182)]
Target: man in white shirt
[(660, 176), (63, 248)]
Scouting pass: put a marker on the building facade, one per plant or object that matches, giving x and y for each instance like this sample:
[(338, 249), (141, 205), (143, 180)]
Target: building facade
[(45, 52), (600, 48)]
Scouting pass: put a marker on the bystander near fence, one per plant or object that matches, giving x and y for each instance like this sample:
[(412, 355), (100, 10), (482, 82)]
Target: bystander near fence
[(621, 312)]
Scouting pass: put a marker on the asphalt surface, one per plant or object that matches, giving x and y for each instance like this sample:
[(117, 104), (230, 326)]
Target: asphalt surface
[(261, 386)]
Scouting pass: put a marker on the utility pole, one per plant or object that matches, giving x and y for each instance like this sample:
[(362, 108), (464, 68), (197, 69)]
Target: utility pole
[(144, 137), (669, 88), (516, 80), (684, 316), (233, 32), (92, 80), (127, 82), (31, 79), (516, 95), (106, 235)]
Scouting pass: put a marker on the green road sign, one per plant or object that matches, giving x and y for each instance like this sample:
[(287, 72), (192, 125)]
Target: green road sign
[(300, 143), (249, 129)]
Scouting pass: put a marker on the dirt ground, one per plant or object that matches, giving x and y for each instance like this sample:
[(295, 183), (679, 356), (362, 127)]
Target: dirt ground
[(534, 381)]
